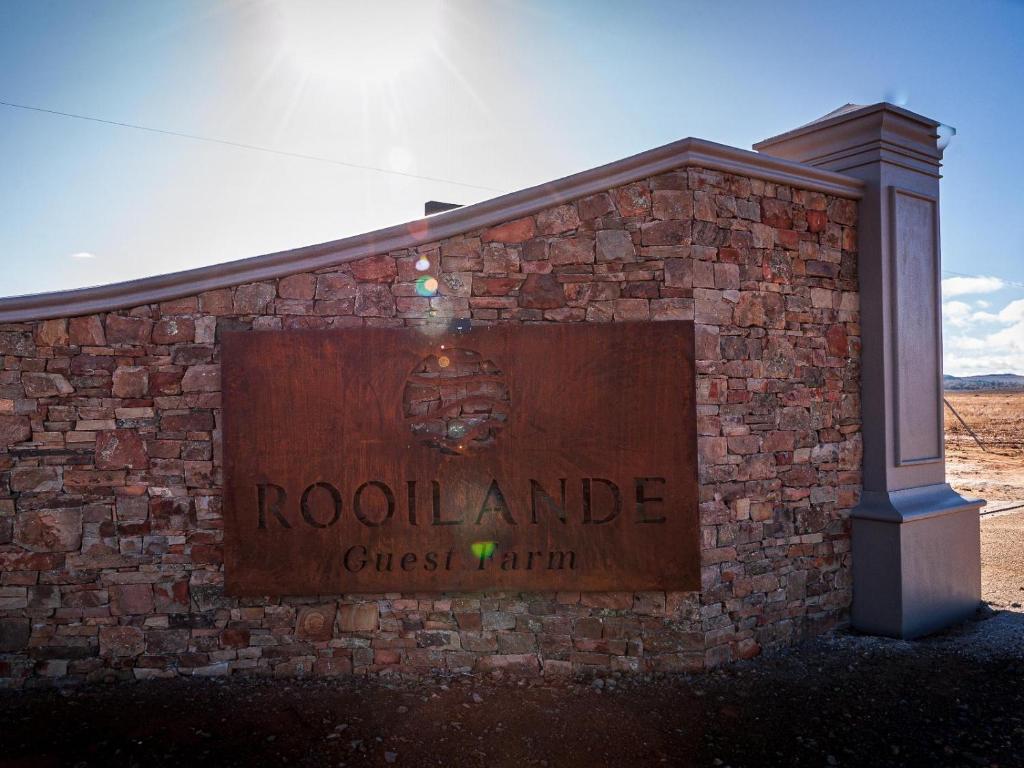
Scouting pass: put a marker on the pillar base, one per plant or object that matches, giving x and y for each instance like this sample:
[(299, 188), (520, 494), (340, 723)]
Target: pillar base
[(916, 561)]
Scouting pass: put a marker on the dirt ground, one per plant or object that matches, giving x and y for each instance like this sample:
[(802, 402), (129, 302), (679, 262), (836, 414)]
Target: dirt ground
[(997, 418), (843, 700), (956, 699)]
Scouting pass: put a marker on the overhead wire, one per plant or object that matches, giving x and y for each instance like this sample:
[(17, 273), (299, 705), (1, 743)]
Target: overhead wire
[(253, 147)]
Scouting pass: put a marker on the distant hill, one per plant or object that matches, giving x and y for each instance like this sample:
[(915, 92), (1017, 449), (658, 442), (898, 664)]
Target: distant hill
[(985, 381)]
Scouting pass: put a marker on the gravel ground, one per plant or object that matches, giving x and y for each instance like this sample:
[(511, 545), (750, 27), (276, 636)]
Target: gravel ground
[(952, 700), (1002, 557), (955, 699)]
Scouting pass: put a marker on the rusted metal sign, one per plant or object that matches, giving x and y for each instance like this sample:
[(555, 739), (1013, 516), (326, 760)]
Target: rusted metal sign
[(512, 457)]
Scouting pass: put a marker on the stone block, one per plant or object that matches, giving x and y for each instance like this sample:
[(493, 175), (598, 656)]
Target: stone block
[(130, 381), (14, 429), (332, 666), (492, 620), (374, 300), (520, 664), (17, 344), (201, 378), (86, 331), (161, 642), (14, 634), (359, 617), (122, 329), (615, 245), (174, 330), (541, 291), (131, 599), (439, 640), (121, 642), (572, 250), (13, 598), (253, 298), (302, 286), (335, 286), (43, 598), (236, 637), (665, 233), (36, 479), (120, 449), (52, 333), (377, 269), (45, 385), (556, 221), (776, 213), (765, 310), (596, 206), (217, 302), (171, 596), (517, 231), (632, 200), (49, 530), (316, 622)]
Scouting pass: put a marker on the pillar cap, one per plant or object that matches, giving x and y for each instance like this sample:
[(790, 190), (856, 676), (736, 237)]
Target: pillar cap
[(855, 134)]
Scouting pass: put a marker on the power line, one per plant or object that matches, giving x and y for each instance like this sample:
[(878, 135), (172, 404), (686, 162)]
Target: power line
[(241, 145)]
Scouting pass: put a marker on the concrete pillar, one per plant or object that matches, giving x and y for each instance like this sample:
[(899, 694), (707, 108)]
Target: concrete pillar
[(916, 542)]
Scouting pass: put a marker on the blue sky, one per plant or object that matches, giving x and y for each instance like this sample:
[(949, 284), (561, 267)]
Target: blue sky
[(495, 94)]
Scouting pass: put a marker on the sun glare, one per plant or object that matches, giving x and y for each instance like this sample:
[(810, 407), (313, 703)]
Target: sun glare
[(359, 41)]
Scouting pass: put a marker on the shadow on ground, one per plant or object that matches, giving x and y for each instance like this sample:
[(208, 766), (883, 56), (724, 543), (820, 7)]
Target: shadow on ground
[(956, 699)]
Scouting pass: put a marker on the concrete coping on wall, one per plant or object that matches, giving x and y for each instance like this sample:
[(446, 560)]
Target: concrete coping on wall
[(689, 152)]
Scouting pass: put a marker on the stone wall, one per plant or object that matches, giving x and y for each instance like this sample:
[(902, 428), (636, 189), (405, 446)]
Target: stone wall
[(110, 466)]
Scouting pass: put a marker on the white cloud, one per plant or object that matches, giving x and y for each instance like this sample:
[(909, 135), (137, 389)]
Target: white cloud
[(1010, 339), (962, 286), (83, 255), (956, 313), (1001, 351), (982, 303), (1012, 312)]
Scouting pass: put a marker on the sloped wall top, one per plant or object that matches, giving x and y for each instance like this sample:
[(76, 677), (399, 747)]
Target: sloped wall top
[(688, 152)]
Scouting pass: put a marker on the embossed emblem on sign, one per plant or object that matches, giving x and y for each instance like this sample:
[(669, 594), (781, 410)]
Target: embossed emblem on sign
[(456, 401), (511, 457)]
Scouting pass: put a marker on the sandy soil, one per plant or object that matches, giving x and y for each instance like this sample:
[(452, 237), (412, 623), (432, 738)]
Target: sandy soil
[(995, 473)]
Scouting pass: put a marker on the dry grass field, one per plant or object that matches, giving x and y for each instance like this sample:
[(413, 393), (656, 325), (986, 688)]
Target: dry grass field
[(997, 418)]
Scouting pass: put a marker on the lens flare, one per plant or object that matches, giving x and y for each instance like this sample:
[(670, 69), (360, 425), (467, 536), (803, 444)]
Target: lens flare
[(422, 264), (426, 286), (482, 549)]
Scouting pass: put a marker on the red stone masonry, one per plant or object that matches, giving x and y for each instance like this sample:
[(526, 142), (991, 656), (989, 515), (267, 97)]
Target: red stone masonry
[(110, 465)]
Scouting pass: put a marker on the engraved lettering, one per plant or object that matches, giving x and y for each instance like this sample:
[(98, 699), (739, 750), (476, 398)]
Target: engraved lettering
[(435, 492), (357, 503), (411, 497), (355, 558), (273, 506), (306, 506), (642, 499), (588, 507), (537, 493), (561, 560), (494, 502)]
